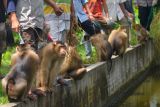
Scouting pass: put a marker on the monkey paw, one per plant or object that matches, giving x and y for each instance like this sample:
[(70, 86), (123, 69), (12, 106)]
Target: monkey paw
[(32, 96), (62, 81), (39, 92), (43, 89)]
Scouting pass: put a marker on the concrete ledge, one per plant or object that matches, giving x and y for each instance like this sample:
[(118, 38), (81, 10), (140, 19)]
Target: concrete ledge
[(99, 84)]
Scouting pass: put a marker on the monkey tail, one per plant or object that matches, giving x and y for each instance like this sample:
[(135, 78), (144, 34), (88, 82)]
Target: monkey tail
[(110, 66), (110, 57)]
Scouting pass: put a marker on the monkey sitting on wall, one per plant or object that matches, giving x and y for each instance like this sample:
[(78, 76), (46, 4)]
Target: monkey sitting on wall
[(103, 47), (118, 40), (18, 81), (141, 32), (57, 59)]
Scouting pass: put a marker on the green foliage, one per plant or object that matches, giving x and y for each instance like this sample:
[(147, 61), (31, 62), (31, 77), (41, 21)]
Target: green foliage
[(4, 69), (155, 33), (81, 49)]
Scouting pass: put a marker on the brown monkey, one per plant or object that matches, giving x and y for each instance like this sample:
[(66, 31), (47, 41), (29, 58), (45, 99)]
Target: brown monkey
[(18, 81), (118, 40), (103, 47), (141, 32), (72, 64), (58, 60), (51, 55)]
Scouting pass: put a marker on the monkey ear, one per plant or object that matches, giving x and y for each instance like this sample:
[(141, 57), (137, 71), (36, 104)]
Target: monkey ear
[(17, 49)]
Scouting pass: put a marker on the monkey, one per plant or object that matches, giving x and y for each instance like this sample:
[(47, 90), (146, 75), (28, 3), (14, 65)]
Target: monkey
[(18, 82), (58, 60), (103, 47), (72, 64), (141, 32), (52, 54), (118, 40)]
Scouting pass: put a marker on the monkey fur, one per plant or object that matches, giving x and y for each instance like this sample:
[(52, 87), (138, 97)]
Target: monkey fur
[(18, 82), (103, 47), (56, 63), (141, 32), (118, 40)]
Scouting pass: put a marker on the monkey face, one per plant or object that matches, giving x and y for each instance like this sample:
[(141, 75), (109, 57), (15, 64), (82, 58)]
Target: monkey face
[(60, 49)]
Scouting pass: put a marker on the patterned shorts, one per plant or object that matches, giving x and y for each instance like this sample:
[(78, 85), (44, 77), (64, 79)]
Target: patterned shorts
[(32, 36)]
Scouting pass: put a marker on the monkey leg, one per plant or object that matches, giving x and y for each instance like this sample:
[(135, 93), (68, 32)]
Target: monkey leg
[(32, 96), (78, 74), (4, 83), (53, 75), (45, 72), (38, 92)]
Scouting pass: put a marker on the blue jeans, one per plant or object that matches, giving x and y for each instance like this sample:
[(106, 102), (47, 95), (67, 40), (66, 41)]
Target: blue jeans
[(88, 46)]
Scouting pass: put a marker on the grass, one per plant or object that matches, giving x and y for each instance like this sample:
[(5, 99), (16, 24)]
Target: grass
[(3, 70), (80, 48)]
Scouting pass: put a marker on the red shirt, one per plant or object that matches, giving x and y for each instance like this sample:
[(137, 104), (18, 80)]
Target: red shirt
[(95, 7)]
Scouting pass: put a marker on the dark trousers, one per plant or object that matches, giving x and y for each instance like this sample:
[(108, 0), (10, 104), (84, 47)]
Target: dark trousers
[(89, 27), (145, 16), (128, 6)]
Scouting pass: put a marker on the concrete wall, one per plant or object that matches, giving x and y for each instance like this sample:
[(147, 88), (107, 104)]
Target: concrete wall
[(99, 84)]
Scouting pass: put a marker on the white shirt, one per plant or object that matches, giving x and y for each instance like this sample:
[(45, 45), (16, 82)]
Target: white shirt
[(114, 10)]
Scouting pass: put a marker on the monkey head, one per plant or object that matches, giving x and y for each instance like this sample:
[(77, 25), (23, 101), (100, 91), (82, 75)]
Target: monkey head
[(59, 48)]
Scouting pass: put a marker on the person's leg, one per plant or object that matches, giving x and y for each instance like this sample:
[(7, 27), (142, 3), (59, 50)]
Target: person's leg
[(87, 45), (128, 6), (63, 37), (149, 17), (89, 28), (143, 16), (124, 22), (9, 36)]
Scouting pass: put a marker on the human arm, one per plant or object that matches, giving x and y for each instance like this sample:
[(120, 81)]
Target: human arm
[(58, 10), (123, 9), (104, 4), (90, 15), (11, 11)]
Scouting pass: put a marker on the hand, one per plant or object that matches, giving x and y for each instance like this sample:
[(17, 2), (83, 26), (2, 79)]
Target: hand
[(91, 17), (58, 11), (14, 22)]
